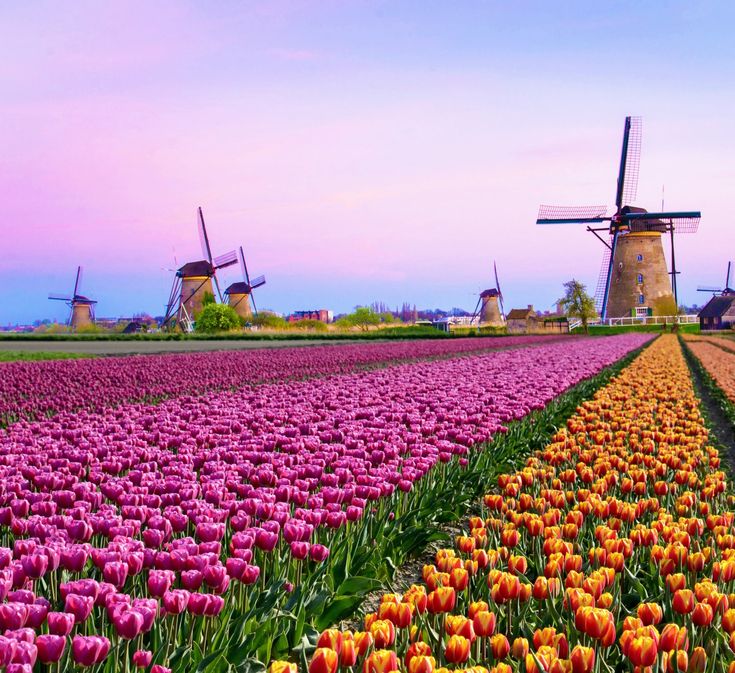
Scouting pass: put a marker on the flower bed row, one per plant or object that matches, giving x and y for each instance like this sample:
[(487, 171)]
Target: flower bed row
[(187, 528), (719, 361), (33, 389), (613, 549)]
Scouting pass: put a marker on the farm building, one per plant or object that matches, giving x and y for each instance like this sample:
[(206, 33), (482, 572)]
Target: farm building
[(522, 320), (718, 313)]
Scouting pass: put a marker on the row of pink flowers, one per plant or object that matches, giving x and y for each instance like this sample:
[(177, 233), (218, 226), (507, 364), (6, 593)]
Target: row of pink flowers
[(32, 389)]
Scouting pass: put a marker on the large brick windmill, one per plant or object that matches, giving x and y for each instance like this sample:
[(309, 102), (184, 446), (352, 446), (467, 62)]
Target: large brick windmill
[(634, 279), (82, 308), (193, 283), (240, 294)]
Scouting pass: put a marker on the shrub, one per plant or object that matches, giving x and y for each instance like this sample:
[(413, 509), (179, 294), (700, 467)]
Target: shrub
[(217, 318)]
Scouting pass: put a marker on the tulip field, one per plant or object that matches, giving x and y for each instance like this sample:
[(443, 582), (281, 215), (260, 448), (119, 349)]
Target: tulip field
[(228, 512), (610, 549), (34, 389)]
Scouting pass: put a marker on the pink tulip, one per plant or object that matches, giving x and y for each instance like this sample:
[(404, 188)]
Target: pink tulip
[(50, 648), (60, 623), (89, 650), (142, 658), (79, 606)]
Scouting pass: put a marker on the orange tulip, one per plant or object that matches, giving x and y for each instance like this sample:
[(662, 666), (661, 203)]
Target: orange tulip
[(676, 581), (642, 651), (519, 649), (363, 641), (458, 625), (399, 614), (457, 650), (484, 623), (324, 660), (384, 633), (683, 601), (331, 638), (441, 600), (459, 579), (422, 664), (380, 661), (348, 655), (728, 620), (517, 565), (544, 636), (283, 667), (475, 607), (582, 658), (702, 614), (499, 646), (650, 613), (507, 588), (419, 648), (676, 661), (674, 637), (698, 660)]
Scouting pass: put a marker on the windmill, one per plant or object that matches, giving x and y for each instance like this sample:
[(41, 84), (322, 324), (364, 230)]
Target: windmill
[(82, 308), (487, 303), (634, 279), (193, 282), (724, 291), (240, 294)]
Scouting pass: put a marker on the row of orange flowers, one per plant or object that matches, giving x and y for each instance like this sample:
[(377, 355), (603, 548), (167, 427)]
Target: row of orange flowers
[(611, 549), (717, 355)]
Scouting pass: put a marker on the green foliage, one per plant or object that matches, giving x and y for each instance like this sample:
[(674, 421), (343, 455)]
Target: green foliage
[(13, 356), (363, 317), (388, 318), (576, 303), (689, 328), (267, 320), (308, 324), (217, 318), (208, 299)]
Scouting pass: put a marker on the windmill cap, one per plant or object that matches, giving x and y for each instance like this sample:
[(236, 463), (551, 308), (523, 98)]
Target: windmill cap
[(81, 299), (200, 268), (490, 293), (240, 287)]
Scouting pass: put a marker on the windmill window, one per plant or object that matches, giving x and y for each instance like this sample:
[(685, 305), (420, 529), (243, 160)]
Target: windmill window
[(640, 279), (641, 299), (640, 258)]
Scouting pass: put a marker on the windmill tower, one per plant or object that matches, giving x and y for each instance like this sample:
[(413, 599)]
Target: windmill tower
[(634, 279), (240, 294), (194, 281), (725, 291), (81, 308), (490, 305)]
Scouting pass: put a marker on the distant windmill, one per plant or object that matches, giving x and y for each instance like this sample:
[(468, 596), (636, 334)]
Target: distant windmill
[(634, 278), (240, 294), (82, 308), (487, 303), (193, 282), (725, 290)]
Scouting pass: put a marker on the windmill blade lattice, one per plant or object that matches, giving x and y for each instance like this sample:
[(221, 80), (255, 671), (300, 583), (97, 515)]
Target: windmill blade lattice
[(630, 161)]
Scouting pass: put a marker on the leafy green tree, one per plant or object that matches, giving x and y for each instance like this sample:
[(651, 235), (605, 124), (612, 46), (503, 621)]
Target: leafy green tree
[(208, 298), (217, 318), (387, 317), (266, 320), (576, 303), (364, 317)]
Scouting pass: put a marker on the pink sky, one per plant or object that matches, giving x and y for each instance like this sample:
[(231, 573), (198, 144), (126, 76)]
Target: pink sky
[(359, 151)]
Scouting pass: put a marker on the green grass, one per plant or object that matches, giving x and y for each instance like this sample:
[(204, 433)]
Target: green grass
[(622, 329), (16, 356)]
